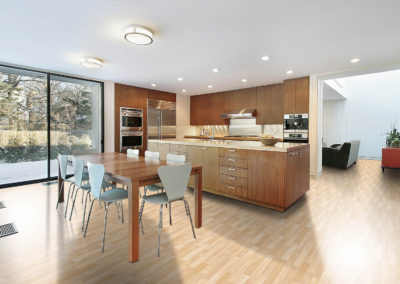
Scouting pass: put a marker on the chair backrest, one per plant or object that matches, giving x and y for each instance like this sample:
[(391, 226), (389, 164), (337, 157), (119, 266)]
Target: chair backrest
[(176, 158), (63, 161), (353, 155), (132, 153), (79, 165), (152, 155), (175, 180), (96, 176)]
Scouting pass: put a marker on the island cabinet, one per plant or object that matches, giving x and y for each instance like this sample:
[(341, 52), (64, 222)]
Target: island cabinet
[(233, 171), (208, 157)]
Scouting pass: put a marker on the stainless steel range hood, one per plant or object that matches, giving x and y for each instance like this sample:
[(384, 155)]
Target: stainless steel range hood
[(242, 113)]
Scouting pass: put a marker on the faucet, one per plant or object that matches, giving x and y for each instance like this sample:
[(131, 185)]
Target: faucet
[(212, 132)]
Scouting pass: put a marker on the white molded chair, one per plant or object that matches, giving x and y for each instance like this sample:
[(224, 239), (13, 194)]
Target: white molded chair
[(152, 155), (63, 162), (175, 180), (132, 153)]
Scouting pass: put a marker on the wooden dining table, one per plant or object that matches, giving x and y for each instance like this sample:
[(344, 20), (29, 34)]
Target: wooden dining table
[(135, 172)]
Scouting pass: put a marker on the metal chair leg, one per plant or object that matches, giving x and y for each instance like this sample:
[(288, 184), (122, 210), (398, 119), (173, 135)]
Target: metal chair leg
[(84, 210), (190, 217), (122, 211), (83, 193), (88, 218), (105, 223), (59, 193), (66, 206), (140, 216), (116, 205), (170, 215), (73, 203), (159, 231)]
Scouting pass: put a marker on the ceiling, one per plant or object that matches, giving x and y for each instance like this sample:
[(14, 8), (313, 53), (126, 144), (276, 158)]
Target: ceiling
[(193, 37)]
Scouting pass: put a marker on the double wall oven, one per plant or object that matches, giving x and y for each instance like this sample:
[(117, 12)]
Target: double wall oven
[(295, 128), (131, 128)]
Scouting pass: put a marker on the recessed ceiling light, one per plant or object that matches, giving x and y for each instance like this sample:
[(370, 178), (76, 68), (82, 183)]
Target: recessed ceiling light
[(265, 58), (209, 86), (215, 70), (92, 62), (179, 79), (138, 35), (289, 72), (183, 91), (153, 85), (244, 80), (355, 60)]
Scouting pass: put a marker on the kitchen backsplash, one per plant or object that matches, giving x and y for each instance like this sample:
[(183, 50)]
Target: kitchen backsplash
[(222, 130), (275, 130)]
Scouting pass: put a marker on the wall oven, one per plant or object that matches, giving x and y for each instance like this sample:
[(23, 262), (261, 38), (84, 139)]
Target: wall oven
[(131, 119), (295, 128), (131, 128)]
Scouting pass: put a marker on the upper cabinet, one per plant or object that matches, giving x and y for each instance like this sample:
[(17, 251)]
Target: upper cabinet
[(276, 104), (136, 97), (240, 99), (207, 109), (296, 95), (263, 105)]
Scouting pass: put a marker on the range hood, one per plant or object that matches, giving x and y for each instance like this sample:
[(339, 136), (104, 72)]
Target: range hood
[(242, 113)]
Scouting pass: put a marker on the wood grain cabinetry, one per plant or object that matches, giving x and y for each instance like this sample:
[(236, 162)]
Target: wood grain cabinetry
[(206, 109), (209, 158), (276, 104), (240, 99), (263, 105), (296, 95), (233, 172), (153, 147)]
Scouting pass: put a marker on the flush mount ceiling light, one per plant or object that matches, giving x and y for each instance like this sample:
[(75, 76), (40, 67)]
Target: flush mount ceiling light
[(179, 79), (215, 70), (355, 60), (265, 58), (289, 72), (92, 62), (138, 35), (244, 80)]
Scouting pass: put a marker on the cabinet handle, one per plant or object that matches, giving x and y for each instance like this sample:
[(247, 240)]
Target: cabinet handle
[(231, 187), (232, 160), (232, 151), (231, 178), (231, 169), (203, 148)]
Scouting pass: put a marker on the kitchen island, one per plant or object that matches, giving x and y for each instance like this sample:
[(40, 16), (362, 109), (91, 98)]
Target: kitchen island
[(269, 176)]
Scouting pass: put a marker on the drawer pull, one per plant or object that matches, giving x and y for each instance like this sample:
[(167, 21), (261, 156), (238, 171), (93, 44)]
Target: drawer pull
[(232, 151), (231, 178), (231, 187), (203, 148), (232, 160), (231, 169)]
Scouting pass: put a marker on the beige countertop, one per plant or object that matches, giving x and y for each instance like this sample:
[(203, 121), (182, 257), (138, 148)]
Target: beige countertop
[(246, 145)]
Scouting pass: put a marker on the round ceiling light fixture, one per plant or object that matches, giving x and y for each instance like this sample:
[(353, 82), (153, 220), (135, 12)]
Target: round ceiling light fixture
[(355, 60), (215, 70), (138, 35), (244, 80), (265, 58), (92, 62), (153, 85), (289, 72), (183, 91)]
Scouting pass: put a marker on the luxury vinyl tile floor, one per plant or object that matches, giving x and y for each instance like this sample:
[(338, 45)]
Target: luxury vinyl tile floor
[(346, 229)]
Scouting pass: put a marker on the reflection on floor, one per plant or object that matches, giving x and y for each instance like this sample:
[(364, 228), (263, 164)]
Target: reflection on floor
[(345, 230)]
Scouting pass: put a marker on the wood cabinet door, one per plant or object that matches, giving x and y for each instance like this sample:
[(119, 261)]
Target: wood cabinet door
[(194, 110), (245, 98), (263, 105), (266, 177), (210, 162), (302, 94), (216, 104), (276, 104), (289, 96), (153, 147), (229, 101), (120, 96), (136, 97), (304, 172), (292, 163)]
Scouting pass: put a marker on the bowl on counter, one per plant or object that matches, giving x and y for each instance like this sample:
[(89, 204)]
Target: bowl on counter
[(269, 141)]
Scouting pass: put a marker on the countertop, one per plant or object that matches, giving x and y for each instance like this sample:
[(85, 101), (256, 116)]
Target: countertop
[(245, 145), (225, 138)]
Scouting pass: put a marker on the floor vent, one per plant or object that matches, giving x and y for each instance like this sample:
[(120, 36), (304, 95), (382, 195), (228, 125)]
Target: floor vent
[(7, 229), (2, 205)]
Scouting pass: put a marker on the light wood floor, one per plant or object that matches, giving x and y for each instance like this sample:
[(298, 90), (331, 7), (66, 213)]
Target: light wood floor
[(345, 230)]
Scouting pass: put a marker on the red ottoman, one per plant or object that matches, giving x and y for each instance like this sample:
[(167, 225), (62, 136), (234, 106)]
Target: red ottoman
[(390, 158)]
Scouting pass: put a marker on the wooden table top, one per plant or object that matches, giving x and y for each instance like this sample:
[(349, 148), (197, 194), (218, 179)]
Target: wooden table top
[(135, 168)]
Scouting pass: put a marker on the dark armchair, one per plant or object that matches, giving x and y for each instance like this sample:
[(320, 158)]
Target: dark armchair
[(341, 156)]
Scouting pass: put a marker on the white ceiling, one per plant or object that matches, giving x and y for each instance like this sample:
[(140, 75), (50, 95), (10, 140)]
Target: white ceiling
[(192, 37)]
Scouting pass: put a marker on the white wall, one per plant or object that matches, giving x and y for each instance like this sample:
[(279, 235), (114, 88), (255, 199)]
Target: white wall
[(109, 131), (372, 106)]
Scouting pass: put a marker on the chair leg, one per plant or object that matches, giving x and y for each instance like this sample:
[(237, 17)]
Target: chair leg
[(73, 203), (105, 223), (66, 206), (122, 211), (140, 216), (59, 193), (190, 217), (84, 210), (88, 218), (170, 215), (116, 205), (159, 230)]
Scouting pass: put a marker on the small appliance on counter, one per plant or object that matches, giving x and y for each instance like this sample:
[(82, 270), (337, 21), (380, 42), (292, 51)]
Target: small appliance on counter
[(131, 128), (295, 128)]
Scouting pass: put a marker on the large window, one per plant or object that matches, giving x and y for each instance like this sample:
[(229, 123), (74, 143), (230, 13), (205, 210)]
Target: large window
[(41, 115)]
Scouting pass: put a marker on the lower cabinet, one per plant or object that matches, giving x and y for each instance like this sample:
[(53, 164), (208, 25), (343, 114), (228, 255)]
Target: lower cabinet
[(208, 157)]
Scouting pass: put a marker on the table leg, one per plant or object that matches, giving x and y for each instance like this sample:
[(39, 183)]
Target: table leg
[(133, 201), (60, 184), (198, 191)]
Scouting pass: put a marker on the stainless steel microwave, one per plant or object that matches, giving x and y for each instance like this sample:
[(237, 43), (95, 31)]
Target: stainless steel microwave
[(131, 119)]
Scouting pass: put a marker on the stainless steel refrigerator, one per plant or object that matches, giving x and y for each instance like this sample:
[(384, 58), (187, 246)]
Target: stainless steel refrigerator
[(161, 119)]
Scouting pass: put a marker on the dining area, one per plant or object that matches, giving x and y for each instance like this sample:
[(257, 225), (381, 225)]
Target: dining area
[(109, 179)]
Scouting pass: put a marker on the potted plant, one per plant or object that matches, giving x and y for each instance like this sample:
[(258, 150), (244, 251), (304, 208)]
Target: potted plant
[(393, 139)]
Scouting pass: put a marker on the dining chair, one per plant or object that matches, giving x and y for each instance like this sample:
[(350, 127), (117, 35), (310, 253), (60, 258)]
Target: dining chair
[(63, 164), (175, 180), (132, 153), (96, 179), (152, 187)]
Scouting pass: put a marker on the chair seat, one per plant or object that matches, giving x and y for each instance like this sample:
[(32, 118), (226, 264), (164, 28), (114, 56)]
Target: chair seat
[(85, 177), (106, 184), (160, 198), (155, 187), (115, 194)]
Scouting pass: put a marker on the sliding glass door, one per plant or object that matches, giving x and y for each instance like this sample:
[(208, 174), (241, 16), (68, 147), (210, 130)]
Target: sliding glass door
[(41, 115)]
